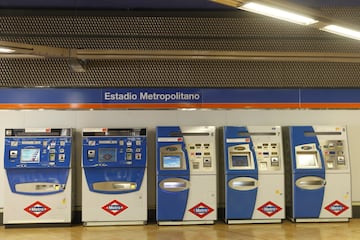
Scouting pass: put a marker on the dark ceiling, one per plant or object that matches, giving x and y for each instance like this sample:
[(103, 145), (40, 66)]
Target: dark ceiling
[(310, 58)]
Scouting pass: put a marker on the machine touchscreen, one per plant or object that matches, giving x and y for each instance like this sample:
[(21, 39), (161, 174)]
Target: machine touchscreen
[(307, 160), (171, 162), (107, 155), (30, 155), (240, 161)]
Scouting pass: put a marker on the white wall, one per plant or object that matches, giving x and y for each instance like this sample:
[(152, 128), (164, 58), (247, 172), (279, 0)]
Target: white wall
[(152, 118)]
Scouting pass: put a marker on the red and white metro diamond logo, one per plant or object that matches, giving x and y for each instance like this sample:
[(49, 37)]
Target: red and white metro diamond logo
[(201, 210), (269, 209), (115, 207), (336, 208), (37, 209)]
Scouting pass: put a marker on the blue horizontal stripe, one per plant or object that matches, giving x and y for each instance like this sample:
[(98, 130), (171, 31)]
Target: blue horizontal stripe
[(49, 95), (330, 96), (178, 96), (251, 95)]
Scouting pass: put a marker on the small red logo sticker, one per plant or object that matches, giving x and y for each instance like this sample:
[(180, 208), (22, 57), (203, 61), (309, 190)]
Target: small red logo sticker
[(336, 208), (37, 209), (201, 210), (269, 209), (115, 207)]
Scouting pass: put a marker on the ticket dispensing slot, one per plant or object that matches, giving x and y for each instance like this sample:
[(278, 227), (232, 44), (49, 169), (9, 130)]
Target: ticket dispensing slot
[(243, 183), (114, 186), (174, 184), (310, 183)]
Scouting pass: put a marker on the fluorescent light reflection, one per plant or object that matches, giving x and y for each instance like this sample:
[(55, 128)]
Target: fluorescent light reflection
[(346, 32), (277, 13), (6, 50)]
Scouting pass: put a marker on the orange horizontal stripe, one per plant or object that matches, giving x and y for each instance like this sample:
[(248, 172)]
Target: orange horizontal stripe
[(331, 105), (96, 106), (250, 105), (65, 106)]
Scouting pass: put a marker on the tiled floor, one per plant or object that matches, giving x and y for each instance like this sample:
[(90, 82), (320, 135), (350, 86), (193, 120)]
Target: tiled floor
[(286, 230)]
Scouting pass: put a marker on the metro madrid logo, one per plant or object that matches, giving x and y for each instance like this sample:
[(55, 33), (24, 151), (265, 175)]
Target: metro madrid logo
[(37, 209), (336, 208), (115, 207), (269, 209), (201, 210)]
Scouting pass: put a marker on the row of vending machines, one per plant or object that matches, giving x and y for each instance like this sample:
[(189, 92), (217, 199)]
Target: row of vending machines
[(269, 172)]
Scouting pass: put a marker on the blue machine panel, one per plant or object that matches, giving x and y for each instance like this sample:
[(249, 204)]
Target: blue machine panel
[(173, 174), (304, 144), (114, 157), (240, 204), (37, 156)]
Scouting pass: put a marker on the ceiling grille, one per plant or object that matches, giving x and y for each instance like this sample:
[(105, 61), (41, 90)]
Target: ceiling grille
[(212, 31)]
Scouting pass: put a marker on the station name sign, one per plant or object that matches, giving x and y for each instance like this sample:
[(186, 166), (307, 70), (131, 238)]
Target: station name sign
[(174, 98), (155, 96)]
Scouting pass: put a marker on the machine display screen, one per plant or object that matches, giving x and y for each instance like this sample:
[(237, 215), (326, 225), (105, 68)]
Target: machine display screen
[(240, 160), (171, 162), (107, 154), (307, 160), (30, 155)]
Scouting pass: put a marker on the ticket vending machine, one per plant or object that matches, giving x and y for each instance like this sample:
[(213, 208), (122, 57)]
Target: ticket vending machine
[(254, 174), (186, 175), (319, 180), (114, 183), (39, 174)]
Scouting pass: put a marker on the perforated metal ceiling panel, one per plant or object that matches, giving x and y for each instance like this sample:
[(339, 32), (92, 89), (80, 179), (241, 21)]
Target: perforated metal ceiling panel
[(213, 31)]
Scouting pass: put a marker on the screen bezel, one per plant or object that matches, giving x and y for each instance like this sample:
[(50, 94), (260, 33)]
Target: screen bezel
[(240, 158), (105, 149), (300, 157), (29, 153), (178, 158), (242, 154)]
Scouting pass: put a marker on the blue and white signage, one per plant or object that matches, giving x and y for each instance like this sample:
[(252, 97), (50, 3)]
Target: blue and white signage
[(173, 98)]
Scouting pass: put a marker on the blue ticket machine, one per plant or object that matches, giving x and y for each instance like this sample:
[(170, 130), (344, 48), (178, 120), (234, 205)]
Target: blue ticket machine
[(254, 174), (38, 169), (186, 175), (114, 183), (319, 179)]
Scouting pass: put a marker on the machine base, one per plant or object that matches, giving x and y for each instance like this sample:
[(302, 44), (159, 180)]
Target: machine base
[(253, 221), (177, 223), (314, 220), (121, 223), (37, 225)]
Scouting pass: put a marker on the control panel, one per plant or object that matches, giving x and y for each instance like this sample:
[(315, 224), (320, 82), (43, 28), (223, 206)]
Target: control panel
[(114, 148), (200, 156), (334, 154), (253, 147), (37, 148), (268, 155)]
